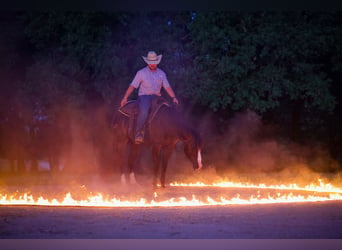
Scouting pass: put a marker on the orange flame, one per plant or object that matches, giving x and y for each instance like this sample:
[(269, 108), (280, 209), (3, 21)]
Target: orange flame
[(320, 193), (322, 187)]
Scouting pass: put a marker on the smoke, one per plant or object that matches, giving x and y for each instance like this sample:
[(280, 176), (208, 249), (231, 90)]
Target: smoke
[(81, 139), (250, 151)]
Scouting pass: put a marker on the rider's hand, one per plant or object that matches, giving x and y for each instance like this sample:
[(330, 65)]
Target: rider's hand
[(175, 100), (123, 101)]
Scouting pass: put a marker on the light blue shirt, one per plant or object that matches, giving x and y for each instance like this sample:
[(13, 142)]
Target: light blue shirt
[(149, 82)]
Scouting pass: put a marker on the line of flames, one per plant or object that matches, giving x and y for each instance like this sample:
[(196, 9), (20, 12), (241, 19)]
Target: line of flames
[(331, 194), (321, 187)]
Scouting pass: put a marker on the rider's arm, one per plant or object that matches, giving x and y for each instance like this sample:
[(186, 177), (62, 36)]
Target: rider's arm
[(171, 93), (127, 94)]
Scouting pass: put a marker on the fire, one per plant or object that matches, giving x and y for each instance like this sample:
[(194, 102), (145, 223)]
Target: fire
[(321, 187), (292, 193)]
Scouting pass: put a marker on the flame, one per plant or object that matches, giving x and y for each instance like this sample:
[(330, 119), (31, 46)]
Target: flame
[(321, 187), (318, 193)]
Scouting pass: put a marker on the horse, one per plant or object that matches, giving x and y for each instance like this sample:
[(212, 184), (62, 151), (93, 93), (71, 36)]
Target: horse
[(164, 128)]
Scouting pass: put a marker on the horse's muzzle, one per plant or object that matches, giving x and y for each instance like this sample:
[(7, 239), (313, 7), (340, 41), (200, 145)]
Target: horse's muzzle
[(198, 167)]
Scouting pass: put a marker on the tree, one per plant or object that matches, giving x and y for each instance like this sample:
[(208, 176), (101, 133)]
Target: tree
[(257, 59), (276, 63)]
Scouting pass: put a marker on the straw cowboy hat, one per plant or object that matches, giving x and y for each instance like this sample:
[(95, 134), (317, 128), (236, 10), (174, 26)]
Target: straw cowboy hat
[(152, 58)]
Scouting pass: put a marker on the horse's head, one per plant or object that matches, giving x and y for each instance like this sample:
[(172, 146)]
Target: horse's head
[(192, 149)]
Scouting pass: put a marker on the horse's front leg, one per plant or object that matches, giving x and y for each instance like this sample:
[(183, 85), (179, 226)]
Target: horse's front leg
[(133, 160), (155, 158), (120, 160), (167, 151)]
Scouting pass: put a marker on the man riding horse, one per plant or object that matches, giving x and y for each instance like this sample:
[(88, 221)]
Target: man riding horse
[(164, 125), (150, 81)]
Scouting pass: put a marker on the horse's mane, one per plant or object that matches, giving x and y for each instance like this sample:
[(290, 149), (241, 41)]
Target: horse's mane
[(169, 115)]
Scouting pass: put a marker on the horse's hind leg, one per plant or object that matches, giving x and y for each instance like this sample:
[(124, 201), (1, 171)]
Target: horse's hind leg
[(120, 159), (167, 151), (133, 159), (155, 157)]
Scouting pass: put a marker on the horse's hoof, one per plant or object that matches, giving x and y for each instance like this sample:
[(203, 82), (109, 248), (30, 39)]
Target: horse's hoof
[(123, 180), (132, 179)]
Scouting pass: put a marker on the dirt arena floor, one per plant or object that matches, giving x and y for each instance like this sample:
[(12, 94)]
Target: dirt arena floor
[(309, 220)]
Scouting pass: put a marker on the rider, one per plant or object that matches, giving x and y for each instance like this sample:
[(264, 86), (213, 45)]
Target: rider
[(149, 80)]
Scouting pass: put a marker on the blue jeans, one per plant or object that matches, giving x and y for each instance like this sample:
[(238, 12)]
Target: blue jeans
[(144, 102)]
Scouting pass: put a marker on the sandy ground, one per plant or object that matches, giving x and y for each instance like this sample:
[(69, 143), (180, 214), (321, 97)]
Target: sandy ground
[(312, 220), (281, 221)]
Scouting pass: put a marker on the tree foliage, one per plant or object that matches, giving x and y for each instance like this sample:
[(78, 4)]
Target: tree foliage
[(221, 61), (257, 60)]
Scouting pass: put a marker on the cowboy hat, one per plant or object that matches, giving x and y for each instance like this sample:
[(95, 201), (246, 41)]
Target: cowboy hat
[(152, 58)]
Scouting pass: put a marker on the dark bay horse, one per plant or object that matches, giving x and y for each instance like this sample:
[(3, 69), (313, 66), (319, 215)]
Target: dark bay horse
[(165, 127)]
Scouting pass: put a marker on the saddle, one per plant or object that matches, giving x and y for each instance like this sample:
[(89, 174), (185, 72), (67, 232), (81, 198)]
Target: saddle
[(131, 110)]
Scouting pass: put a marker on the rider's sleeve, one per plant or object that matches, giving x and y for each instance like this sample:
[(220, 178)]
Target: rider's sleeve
[(165, 81), (136, 81)]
